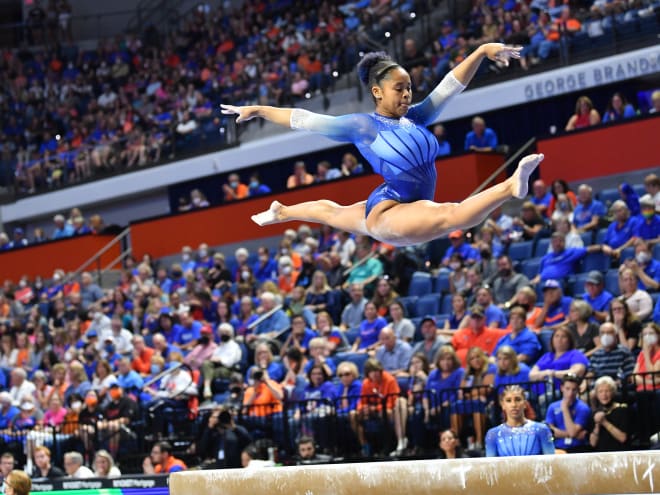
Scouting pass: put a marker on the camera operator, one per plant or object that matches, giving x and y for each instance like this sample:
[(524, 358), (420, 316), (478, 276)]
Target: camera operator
[(222, 441)]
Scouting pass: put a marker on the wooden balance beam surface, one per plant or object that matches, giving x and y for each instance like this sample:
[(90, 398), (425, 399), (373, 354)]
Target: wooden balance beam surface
[(570, 474)]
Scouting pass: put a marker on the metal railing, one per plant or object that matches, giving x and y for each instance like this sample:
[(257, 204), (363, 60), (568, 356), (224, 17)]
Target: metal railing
[(96, 258)]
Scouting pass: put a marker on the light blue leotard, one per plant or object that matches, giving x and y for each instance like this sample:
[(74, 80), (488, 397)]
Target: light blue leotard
[(530, 439), (401, 150)]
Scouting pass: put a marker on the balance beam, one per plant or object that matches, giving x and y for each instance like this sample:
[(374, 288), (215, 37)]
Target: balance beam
[(570, 474)]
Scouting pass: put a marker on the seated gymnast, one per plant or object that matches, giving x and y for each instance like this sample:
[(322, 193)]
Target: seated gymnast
[(395, 141)]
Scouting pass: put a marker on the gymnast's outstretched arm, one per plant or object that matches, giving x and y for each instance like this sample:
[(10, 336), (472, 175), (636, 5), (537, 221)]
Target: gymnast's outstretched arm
[(348, 128), (457, 79)]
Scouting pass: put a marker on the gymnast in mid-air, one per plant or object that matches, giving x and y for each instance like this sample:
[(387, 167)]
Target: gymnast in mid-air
[(396, 143)]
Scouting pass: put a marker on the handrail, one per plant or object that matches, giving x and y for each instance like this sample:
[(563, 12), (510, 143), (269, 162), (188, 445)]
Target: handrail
[(100, 253), (504, 166), (108, 267)]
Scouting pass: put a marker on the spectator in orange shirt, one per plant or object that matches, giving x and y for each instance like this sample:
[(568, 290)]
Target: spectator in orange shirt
[(476, 334), (234, 189), (264, 397), (288, 275), (300, 176), (381, 388), (161, 460), (141, 356)]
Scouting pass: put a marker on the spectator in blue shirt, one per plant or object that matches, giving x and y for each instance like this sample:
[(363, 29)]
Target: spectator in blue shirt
[(458, 245), (62, 229), (480, 138), (645, 267), (647, 226), (588, 211), (370, 329), (495, 317), (255, 187), (596, 296), (541, 197), (569, 417), (7, 410), (618, 109), (524, 342), (266, 267), (562, 261), (394, 354), (273, 324), (444, 148), (620, 231), (188, 332), (555, 305), (300, 335), (129, 379)]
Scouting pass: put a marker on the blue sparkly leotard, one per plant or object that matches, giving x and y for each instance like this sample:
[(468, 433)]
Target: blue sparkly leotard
[(401, 150), (532, 438)]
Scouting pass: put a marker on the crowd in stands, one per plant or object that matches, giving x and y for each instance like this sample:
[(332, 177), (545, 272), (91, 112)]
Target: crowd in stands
[(73, 114), (335, 344)]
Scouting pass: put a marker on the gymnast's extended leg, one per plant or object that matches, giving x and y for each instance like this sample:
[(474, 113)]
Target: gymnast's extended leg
[(422, 221), (349, 218)]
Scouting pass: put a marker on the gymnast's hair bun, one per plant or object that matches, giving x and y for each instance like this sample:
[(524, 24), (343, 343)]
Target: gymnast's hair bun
[(368, 62)]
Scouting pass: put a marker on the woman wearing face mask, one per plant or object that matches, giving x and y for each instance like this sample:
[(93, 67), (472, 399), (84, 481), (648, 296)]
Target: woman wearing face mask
[(288, 276), (639, 301), (610, 418), (564, 209), (645, 267), (560, 186), (458, 281), (647, 378), (89, 415), (648, 361)]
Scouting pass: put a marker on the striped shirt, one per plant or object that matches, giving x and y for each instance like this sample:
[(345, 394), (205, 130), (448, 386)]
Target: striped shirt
[(615, 363)]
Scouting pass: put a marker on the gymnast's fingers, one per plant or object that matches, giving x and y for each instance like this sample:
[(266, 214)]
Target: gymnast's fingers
[(230, 109)]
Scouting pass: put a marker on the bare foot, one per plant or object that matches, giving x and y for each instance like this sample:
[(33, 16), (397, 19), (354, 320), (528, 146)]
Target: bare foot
[(270, 216), (520, 178)]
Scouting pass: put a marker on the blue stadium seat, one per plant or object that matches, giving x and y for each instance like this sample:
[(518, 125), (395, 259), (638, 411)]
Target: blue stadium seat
[(612, 282), (442, 281), (596, 261), (600, 236), (519, 251), (541, 248), (627, 254), (587, 238), (639, 188), (530, 267), (420, 284), (576, 284), (445, 306), (608, 196), (441, 319), (656, 251), (428, 304), (654, 295), (410, 303), (351, 334), (353, 357)]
